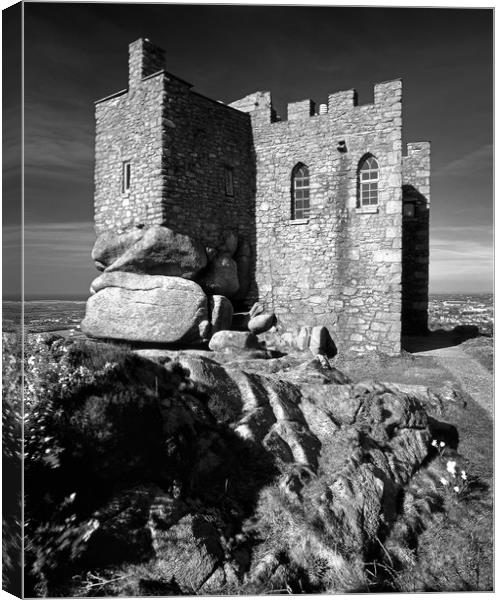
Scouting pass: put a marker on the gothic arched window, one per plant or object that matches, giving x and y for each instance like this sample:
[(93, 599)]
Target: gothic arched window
[(368, 181), (300, 192)]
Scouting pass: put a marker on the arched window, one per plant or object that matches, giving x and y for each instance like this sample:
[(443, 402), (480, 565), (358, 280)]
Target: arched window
[(368, 181), (300, 192)]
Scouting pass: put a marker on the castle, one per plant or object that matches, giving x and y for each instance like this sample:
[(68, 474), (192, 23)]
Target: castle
[(335, 217)]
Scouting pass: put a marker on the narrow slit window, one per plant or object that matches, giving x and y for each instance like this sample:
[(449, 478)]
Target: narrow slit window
[(126, 176), (300, 192), (229, 181), (368, 181)]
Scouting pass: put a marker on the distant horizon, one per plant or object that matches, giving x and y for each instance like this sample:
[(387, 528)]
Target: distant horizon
[(83, 297)]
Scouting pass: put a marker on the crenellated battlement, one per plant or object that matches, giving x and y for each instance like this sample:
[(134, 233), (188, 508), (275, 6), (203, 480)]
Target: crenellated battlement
[(340, 104)]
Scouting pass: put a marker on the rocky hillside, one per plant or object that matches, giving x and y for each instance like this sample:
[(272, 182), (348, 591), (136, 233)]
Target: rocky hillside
[(160, 472)]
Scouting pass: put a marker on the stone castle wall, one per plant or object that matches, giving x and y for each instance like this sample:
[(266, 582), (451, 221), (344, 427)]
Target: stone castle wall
[(128, 128), (416, 195), (356, 270), (342, 266), (203, 139), (179, 145)]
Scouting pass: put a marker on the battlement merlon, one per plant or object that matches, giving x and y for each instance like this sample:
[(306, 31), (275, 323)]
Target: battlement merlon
[(258, 104), (385, 94), (300, 110), (144, 59), (417, 168)]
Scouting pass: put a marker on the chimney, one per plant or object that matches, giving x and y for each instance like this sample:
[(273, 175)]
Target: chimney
[(144, 58)]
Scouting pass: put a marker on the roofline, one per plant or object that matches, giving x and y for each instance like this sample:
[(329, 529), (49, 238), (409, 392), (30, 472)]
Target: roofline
[(219, 103), (168, 74), (111, 96), (155, 74)]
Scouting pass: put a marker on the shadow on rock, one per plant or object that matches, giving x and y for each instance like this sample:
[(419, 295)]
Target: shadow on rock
[(130, 463)]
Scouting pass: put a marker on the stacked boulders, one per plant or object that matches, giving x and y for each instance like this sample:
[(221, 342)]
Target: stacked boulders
[(162, 287)]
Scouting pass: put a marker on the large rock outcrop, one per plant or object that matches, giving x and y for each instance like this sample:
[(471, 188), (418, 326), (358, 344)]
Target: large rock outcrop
[(111, 245), (211, 478), (146, 308), (156, 250)]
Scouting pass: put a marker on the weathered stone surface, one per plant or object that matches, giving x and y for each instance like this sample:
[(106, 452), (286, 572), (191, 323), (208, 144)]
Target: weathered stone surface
[(257, 405), (239, 340), (149, 123), (316, 371), (321, 426), (221, 313), (220, 277), (131, 281), (160, 251), (188, 551), (226, 403), (110, 245), (146, 308), (321, 342), (297, 267), (258, 478), (261, 323)]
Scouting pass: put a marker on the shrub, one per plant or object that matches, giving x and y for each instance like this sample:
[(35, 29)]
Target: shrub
[(101, 421), (94, 421), (11, 462)]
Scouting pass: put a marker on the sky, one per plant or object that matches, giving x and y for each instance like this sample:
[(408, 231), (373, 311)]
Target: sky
[(77, 53)]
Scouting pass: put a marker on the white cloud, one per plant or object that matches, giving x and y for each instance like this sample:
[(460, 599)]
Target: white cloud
[(66, 244), (478, 160), (462, 260)]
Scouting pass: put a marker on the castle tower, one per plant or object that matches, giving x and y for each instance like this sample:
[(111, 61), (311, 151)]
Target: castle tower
[(334, 217)]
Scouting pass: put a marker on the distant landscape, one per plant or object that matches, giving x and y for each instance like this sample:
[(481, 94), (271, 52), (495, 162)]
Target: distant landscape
[(446, 311)]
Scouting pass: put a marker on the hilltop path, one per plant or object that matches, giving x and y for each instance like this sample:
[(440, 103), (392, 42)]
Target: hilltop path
[(470, 374)]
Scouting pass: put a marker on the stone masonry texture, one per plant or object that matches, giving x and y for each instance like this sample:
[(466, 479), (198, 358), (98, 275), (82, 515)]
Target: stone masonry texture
[(360, 271)]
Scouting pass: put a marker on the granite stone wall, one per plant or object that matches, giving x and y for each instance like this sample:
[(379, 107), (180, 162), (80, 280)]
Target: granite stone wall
[(416, 199), (342, 266), (180, 146), (204, 142), (355, 269), (128, 128), (144, 59)]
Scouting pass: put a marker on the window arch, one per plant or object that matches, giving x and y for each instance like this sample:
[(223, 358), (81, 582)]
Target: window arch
[(300, 192), (368, 177)]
